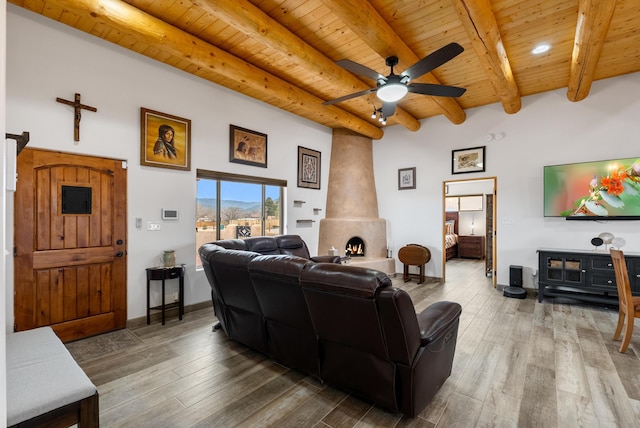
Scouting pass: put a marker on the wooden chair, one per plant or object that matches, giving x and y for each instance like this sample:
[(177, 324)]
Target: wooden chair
[(629, 306)]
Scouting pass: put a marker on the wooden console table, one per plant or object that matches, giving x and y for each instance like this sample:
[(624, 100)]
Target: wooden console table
[(161, 273), (583, 275)]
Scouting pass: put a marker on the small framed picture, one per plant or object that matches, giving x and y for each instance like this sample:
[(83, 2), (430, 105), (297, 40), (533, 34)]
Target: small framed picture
[(165, 140), (247, 147), (406, 178), (467, 160), (308, 168)]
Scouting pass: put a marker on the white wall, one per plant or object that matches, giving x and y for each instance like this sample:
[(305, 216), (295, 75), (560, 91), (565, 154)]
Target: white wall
[(46, 60), (548, 130)]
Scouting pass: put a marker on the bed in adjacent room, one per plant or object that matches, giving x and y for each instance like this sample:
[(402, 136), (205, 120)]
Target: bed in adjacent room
[(451, 235)]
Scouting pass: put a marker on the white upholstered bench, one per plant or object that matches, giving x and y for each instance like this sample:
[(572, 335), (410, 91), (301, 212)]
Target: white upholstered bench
[(45, 386)]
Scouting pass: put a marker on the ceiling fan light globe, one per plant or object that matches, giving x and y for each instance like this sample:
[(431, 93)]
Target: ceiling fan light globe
[(392, 92)]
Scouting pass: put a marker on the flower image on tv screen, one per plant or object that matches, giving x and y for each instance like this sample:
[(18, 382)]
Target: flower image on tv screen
[(588, 190)]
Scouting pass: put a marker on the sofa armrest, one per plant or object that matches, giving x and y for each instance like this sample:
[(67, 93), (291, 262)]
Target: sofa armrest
[(326, 259), (436, 320)]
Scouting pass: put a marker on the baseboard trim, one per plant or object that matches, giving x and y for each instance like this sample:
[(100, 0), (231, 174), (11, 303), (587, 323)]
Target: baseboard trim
[(157, 316)]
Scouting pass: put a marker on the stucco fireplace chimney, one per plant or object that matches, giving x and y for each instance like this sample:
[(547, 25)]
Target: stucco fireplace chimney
[(352, 202)]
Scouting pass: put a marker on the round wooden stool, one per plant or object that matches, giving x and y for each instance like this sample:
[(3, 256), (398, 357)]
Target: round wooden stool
[(414, 255)]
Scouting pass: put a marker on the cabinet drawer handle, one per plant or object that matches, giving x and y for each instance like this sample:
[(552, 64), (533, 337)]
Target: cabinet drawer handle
[(609, 282), (583, 271), (609, 264)]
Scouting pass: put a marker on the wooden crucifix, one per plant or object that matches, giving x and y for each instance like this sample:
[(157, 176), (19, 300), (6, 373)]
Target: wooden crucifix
[(78, 113)]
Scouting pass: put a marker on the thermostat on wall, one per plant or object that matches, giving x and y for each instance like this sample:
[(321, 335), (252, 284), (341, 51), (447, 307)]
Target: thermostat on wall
[(169, 214)]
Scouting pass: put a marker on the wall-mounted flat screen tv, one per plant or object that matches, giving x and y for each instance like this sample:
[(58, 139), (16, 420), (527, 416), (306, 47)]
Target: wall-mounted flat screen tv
[(602, 190)]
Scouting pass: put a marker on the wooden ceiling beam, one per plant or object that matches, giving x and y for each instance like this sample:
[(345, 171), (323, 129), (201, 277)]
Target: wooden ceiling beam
[(479, 22), (594, 19), (363, 19), (223, 66), (253, 22)]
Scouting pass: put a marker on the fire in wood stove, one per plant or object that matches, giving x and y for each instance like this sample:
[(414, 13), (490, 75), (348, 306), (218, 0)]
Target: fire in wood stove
[(355, 247)]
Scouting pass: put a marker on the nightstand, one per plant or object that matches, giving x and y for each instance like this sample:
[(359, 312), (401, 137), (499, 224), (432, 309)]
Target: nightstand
[(471, 246)]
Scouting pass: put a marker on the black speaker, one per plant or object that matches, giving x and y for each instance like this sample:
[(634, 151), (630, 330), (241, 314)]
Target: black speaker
[(515, 276)]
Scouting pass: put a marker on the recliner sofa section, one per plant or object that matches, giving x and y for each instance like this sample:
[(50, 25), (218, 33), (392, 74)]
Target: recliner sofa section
[(371, 340), (343, 324), (291, 337)]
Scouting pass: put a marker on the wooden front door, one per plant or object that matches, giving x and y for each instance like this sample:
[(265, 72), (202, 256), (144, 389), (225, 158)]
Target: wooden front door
[(70, 243)]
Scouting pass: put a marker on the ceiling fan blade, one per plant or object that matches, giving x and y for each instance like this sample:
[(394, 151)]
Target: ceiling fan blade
[(348, 97), (434, 60), (388, 109), (354, 67), (436, 90)]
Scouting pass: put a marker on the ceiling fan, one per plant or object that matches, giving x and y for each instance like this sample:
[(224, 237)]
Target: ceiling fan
[(392, 88)]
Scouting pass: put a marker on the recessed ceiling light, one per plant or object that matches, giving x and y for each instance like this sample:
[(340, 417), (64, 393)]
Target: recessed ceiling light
[(540, 49)]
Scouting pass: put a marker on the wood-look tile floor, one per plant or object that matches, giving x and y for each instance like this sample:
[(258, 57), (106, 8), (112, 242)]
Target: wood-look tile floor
[(518, 363)]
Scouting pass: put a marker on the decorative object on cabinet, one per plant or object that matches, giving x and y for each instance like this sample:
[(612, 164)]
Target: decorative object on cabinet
[(618, 242), (468, 160), (308, 168), (247, 147), (607, 238), (471, 246), (596, 242), (406, 178), (583, 275), (165, 140)]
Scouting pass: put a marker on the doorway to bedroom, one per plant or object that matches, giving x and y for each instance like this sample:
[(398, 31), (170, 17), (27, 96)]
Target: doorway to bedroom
[(469, 226)]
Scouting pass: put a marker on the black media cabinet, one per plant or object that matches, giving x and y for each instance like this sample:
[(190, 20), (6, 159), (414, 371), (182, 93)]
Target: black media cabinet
[(583, 275)]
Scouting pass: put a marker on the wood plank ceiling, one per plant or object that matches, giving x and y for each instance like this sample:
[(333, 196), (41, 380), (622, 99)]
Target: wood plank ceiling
[(283, 52)]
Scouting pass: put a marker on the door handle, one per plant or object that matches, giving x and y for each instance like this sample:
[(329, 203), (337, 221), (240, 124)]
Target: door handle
[(119, 254)]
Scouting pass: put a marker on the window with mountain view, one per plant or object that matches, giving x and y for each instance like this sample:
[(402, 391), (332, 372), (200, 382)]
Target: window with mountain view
[(230, 206)]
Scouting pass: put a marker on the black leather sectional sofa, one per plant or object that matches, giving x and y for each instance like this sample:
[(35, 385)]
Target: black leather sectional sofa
[(345, 325)]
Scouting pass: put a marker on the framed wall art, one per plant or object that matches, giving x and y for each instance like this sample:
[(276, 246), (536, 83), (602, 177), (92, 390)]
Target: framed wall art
[(247, 147), (165, 140), (308, 168), (406, 178), (467, 160)]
